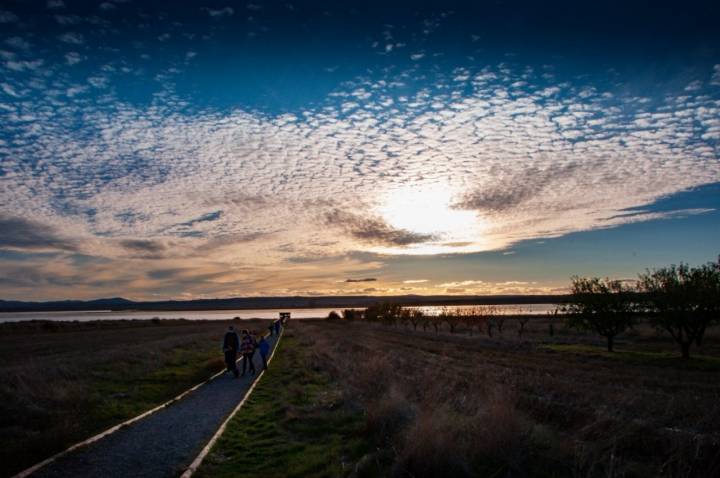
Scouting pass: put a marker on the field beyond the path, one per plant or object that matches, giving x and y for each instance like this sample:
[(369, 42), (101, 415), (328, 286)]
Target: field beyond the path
[(444, 404), (62, 382), (352, 398)]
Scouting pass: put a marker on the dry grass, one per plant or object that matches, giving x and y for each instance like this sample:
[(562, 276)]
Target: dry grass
[(61, 383), (454, 405)]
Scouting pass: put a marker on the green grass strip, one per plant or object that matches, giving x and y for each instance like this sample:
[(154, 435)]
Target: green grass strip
[(662, 359), (295, 424)]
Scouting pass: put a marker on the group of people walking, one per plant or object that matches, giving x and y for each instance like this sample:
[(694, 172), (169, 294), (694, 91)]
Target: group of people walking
[(246, 344)]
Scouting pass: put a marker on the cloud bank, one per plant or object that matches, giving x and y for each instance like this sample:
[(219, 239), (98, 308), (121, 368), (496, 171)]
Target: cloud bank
[(521, 153)]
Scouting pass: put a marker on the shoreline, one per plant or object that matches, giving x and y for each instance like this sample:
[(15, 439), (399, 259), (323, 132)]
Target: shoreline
[(272, 303)]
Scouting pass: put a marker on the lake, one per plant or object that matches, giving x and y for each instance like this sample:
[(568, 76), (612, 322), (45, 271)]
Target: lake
[(87, 315)]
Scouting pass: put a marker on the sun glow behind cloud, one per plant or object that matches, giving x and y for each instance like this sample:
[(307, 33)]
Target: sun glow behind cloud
[(427, 208), (262, 193), (411, 154)]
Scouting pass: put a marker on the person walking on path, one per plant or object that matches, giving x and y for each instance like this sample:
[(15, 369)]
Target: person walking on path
[(277, 327), (230, 347), (271, 328), (264, 348), (247, 349)]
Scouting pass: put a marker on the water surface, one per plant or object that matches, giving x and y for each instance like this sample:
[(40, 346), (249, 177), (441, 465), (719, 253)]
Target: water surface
[(87, 315)]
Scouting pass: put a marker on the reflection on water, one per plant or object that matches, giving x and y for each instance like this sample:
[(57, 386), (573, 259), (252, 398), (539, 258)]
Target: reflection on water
[(243, 314), (506, 309)]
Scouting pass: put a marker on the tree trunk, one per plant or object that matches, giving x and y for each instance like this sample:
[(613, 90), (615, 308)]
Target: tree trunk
[(685, 349)]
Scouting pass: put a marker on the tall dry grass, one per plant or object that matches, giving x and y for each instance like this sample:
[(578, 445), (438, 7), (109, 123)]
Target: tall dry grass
[(450, 405), (429, 423)]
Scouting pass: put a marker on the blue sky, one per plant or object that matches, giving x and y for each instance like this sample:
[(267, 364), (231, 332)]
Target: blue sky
[(210, 149)]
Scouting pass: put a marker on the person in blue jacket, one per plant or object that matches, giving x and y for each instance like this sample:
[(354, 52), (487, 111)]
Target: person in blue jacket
[(264, 348)]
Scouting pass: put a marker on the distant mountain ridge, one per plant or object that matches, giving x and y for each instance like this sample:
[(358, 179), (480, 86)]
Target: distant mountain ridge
[(297, 302)]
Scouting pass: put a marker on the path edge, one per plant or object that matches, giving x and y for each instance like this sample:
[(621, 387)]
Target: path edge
[(29, 471), (190, 471)]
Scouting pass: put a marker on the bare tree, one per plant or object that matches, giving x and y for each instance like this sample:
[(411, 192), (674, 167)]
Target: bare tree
[(436, 323), (486, 318), (522, 322), (414, 316), (426, 321), (468, 318), (552, 317), (499, 320), (606, 307), (451, 317), (683, 301)]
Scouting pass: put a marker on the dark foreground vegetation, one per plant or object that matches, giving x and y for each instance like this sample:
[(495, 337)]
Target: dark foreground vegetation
[(523, 404), (62, 382), (596, 388)]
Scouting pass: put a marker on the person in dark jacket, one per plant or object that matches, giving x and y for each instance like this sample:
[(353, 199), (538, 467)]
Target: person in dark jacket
[(247, 349), (264, 348), (230, 347), (277, 327)]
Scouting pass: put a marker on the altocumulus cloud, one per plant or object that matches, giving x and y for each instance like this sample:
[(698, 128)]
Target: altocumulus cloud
[(373, 230), (529, 160), (20, 233)]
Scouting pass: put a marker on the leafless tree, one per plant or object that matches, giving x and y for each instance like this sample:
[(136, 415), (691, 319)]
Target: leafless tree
[(683, 301)]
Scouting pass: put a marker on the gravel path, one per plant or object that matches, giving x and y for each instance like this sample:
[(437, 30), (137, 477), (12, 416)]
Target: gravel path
[(162, 444)]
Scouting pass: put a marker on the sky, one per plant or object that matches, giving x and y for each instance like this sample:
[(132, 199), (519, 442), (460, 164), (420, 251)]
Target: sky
[(177, 150)]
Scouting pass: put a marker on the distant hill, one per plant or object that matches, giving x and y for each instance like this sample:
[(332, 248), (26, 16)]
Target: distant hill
[(118, 303)]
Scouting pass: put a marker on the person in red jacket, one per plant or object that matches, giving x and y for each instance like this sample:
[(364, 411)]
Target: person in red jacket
[(247, 349)]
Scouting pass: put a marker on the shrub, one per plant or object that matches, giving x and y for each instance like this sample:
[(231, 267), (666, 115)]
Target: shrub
[(333, 315), (388, 414), (385, 312), (353, 314), (432, 445)]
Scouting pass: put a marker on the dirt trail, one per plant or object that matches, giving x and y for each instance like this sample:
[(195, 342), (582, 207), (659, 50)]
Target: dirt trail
[(162, 444)]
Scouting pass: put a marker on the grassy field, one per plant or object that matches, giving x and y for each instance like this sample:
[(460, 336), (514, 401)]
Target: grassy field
[(63, 382), (295, 424), (362, 399), (537, 405)]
